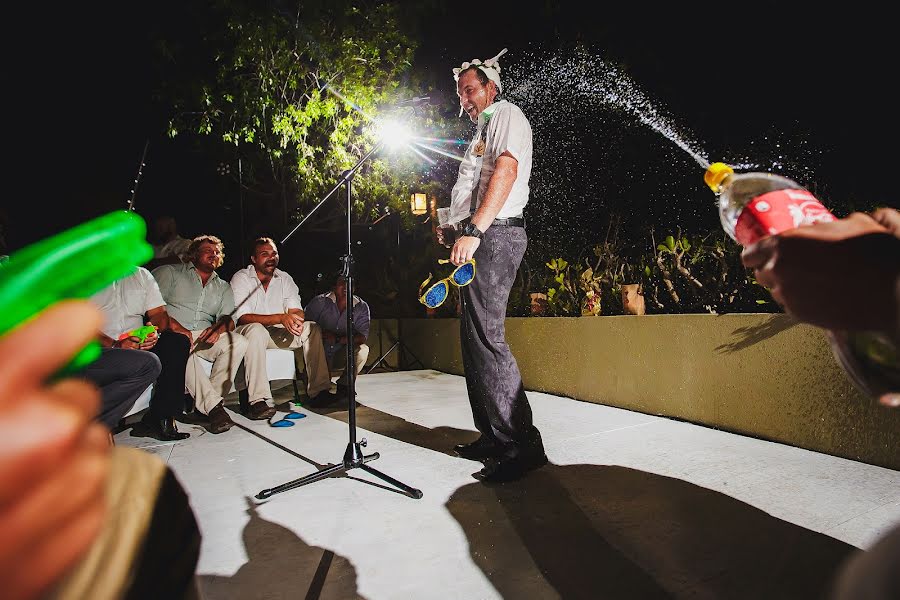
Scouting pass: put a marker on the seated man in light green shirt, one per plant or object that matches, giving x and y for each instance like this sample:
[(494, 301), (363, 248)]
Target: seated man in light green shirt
[(204, 303)]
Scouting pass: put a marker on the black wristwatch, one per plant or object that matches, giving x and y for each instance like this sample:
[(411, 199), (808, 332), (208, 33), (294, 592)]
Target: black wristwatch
[(472, 231)]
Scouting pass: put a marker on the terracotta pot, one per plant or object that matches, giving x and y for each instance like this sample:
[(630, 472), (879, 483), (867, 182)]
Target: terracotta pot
[(538, 304), (633, 299)]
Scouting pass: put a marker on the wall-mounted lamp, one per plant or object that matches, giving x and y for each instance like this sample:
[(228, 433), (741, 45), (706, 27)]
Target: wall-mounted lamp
[(418, 203)]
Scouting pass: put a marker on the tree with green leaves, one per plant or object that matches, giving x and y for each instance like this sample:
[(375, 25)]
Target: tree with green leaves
[(296, 88)]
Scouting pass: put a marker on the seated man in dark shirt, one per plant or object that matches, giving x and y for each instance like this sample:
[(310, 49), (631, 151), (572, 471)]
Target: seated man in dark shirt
[(329, 310)]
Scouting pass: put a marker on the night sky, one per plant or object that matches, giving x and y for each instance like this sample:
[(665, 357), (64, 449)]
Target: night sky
[(81, 97)]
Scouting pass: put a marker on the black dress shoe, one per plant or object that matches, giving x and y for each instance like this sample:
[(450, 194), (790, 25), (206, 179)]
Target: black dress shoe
[(321, 400), (481, 449), (219, 421), (503, 469), (163, 429), (343, 392)]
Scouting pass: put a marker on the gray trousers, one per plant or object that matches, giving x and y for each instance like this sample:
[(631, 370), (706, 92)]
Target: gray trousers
[(122, 376), (499, 405)]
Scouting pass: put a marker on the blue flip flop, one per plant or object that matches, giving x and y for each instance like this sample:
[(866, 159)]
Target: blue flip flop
[(288, 419)]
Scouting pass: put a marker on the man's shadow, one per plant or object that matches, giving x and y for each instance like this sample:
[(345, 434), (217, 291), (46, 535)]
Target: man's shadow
[(280, 565), (592, 531), (588, 531)]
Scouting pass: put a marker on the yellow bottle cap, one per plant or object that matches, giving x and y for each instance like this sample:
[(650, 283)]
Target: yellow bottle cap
[(716, 174)]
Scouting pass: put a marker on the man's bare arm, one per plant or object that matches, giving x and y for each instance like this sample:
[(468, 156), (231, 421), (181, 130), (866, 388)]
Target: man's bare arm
[(500, 185)]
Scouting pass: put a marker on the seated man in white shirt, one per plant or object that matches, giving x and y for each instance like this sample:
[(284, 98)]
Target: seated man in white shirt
[(270, 315), (124, 304), (204, 303)]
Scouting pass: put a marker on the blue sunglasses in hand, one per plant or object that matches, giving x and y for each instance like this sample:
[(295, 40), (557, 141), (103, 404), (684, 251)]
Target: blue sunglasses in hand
[(461, 276)]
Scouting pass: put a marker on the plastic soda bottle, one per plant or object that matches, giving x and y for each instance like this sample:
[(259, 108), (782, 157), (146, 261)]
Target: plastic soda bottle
[(755, 205)]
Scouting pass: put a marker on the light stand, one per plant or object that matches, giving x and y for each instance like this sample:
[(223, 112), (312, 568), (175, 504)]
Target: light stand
[(403, 350), (398, 342), (353, 455)]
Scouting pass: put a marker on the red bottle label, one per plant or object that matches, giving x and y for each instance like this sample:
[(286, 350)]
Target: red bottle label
[(774, 212)]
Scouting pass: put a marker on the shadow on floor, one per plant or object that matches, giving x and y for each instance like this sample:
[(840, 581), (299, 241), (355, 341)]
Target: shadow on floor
[(281, 566), (592, 531), (438, 439), (588, 531)]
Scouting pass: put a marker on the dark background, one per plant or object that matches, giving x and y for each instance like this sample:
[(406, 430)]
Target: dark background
[(81, 79)]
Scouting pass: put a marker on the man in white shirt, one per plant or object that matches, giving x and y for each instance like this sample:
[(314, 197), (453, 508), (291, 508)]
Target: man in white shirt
[(124, 304), (487, 203), (270, 315)]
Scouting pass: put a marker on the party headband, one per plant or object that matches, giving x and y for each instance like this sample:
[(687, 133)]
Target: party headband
[(490, 67)]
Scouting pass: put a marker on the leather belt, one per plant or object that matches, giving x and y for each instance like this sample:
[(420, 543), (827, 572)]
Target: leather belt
[(509, 222)]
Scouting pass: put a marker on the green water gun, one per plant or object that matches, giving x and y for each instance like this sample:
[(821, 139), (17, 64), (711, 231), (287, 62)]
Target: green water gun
[(76, 263), (140, 333)]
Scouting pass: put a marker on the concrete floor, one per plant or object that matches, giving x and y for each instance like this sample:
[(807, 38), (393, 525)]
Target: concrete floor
[(632, 506)]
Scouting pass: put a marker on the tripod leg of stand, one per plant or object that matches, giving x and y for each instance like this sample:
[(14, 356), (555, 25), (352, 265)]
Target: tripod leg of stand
[(302, 481), (382, 357), (409, 491), (416, 358)]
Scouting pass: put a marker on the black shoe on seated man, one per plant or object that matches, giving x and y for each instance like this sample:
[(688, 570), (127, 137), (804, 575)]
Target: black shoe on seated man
[(322, 399), (506, 468), (343, 392), (481, 449), (162, 429), (219, 421)]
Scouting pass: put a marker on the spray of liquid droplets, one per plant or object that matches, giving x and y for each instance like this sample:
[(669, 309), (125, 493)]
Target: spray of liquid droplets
[(593, 83)]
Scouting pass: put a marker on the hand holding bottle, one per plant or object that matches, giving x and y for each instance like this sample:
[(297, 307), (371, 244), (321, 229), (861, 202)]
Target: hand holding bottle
[(843, 275), (818, 273)]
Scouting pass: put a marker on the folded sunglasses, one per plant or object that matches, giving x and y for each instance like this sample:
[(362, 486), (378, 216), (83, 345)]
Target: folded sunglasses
[(461, 276)]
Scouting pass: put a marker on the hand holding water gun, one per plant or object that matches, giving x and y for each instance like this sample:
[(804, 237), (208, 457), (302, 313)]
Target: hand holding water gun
[(142, 338), (76, 263)]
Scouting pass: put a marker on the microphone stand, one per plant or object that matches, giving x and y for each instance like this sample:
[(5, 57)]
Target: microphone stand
[(353, 455)]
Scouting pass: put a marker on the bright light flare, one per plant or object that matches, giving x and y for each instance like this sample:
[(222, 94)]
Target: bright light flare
[(394, 134)]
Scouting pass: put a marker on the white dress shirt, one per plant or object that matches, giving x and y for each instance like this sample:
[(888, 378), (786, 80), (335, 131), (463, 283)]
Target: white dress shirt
[(251, 298), (508, 130), (124, 303)]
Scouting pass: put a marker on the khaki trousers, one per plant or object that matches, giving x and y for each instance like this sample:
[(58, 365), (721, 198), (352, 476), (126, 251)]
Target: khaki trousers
[(339, 361), (226, 356), (113, 562), (260, 338)]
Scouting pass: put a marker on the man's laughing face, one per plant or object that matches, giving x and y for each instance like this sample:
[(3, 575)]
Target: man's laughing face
[(474, 96), (265, 258)]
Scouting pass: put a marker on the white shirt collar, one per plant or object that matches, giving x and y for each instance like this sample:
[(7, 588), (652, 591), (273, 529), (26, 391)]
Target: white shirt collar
[(331, 296)]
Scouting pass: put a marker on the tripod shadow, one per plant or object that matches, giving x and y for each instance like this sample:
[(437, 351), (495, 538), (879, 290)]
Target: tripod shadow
[(749, 336), (438, 439), (588, 531), (280, 565)]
